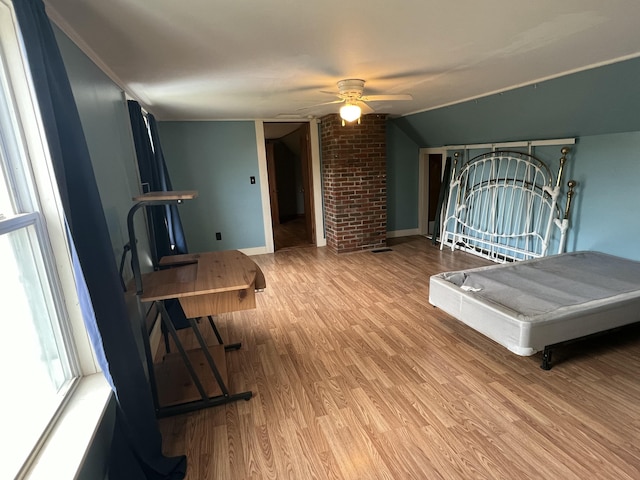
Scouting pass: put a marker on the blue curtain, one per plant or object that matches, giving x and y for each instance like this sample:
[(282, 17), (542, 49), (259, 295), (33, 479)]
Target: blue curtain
[(174, 224), (137, 445), (167, 233), (166, 236)]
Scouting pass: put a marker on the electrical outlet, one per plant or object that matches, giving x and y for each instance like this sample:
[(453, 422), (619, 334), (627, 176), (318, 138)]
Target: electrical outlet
[(218, 236), (252, 179)]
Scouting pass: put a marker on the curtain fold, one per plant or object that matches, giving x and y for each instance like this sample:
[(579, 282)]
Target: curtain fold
[(137, 445), (174, 224), (166, 226), (166, 236), (149, 178)]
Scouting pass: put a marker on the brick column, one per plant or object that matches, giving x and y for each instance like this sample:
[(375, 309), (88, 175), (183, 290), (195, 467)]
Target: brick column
[(355, 182)]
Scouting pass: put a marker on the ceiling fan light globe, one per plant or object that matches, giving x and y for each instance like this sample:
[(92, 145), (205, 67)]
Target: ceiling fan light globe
[(350, 112)]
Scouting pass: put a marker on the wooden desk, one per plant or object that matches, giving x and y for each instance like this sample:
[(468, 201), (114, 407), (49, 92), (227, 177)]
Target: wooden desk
[(206, 284)]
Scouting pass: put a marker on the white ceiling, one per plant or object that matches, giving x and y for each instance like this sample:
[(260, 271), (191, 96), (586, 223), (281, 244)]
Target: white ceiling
[(247, 59)]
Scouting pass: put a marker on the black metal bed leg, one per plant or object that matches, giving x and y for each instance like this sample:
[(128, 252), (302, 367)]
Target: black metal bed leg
[(546, 358)]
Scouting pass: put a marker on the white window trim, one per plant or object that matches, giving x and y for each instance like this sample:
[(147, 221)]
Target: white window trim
[(65, 448), (62, 451), (44, 179)]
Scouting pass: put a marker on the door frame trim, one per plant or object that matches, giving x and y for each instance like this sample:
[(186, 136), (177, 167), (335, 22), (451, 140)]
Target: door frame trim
[(423, 185), (316, 181), (264, 186)]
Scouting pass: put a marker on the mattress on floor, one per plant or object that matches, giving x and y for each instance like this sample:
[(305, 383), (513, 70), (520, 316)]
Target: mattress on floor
[(528, 305)]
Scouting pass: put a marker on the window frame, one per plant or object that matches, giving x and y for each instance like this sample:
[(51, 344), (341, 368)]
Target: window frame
[(44, 181), (64, 442)]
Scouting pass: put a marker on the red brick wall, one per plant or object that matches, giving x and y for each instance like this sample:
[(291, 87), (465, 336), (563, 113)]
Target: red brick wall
[(355, 182)]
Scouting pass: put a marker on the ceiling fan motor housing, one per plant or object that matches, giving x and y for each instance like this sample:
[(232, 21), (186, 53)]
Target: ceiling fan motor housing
[(351, 88)]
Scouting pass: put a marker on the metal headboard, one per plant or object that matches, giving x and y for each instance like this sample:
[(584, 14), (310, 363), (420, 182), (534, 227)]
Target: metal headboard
[(503, 205)]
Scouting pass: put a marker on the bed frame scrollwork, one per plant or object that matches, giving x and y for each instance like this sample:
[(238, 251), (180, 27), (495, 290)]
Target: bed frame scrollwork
[(505, 206)]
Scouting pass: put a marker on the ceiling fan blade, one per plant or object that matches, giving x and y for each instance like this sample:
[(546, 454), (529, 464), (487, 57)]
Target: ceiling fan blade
[(365, 107), (379, 98), (320, 104)]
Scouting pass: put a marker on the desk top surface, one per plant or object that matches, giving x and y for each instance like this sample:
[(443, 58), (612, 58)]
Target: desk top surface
[(198, 274), (166, 196)]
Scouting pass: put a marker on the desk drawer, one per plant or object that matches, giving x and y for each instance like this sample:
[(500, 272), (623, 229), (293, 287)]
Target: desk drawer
[(221, 302)]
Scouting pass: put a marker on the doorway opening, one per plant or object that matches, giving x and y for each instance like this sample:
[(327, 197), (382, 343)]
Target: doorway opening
[(288, 150), (435, 183), (431, 169)]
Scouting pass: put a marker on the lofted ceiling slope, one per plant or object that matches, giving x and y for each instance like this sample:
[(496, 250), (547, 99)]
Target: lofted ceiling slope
[(221, 60)]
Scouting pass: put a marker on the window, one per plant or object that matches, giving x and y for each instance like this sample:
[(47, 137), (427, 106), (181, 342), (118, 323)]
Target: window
[(34, 361), (44, 351)]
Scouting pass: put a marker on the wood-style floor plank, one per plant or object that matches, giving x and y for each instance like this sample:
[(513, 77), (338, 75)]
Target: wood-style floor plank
[(356, 376)]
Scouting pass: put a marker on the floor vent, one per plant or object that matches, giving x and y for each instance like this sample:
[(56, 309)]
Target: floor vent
[(380, 250)]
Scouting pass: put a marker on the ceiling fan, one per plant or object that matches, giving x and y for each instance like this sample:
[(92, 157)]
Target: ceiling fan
[(350, 92)]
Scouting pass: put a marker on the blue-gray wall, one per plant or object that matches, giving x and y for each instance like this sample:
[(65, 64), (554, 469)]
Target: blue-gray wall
[(593, 102), (402, 180), (599, 107), (606, 218), (217, 159), (105, 122)]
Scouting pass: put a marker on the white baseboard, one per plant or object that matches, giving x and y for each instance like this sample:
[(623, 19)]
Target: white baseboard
[(403, 233)]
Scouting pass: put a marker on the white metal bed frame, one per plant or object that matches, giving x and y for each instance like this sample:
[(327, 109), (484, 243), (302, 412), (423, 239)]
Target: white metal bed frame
[(504, 206)]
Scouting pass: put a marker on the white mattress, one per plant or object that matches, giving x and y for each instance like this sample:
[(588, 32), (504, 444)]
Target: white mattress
[(528, 305)]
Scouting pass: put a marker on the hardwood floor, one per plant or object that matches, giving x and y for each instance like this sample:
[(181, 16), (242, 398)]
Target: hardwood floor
[(356, 376), (290, 234)]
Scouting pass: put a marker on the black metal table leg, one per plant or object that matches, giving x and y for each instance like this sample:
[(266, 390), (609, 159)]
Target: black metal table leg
[(232, 346)]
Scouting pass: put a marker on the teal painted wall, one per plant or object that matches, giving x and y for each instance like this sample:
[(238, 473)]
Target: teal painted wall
[(105, 121), (402, 180), (605, 217), (599, 107), (592, 102), (217, 159)]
